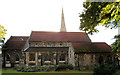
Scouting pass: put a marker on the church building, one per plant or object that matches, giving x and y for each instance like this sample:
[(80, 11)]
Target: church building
[(43, 48)]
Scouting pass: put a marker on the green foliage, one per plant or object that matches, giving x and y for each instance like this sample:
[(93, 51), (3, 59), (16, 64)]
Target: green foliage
[(110, 15), (47, 68), (99, 13), (64, 67), (4, 47), (35, 69), (52, 68), (109, 68), (116, 44), (2, 35), (2, 32)]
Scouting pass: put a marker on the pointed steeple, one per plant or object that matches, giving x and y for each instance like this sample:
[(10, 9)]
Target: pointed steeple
[(63, 27)]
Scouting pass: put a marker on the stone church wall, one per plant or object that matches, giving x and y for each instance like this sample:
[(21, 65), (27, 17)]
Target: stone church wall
[(71, 55), (87, 60), (49, 44), (81, 60), (56, 54), (13, 58)]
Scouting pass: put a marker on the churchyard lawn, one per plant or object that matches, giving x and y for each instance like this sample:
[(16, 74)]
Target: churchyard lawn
[(10, 71)]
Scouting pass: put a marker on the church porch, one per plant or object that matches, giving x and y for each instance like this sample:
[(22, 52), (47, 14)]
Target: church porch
[(44, 56)]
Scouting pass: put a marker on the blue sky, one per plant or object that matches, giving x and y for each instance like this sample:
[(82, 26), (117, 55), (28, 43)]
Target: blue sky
[(20, 17)]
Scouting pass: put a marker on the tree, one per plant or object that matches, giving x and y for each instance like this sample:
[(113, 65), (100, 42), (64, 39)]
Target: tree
[(108, 68), (2, 37), (116, 44), (99, 13), (2, 34), (106, 14)]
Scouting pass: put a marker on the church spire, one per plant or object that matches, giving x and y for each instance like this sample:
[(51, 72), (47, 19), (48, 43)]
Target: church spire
[(63, 27)]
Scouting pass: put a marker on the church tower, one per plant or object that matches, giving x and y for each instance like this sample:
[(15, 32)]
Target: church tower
[(63, 27)]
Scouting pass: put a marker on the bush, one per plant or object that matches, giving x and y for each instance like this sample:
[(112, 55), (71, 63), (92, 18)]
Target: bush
[(105, 69), (19, 68), (49, 68), (63, 67), (52, 68), (70, 67), (26, 69), (35, 69)]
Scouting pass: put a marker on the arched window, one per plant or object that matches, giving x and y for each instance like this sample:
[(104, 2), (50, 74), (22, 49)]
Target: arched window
[(7, 57), (47, 57), (62, 57), (91, 58), (100, 59), (17, 57), (32, 56)]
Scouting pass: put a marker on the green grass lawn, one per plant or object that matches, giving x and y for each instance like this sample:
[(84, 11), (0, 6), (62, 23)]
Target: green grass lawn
[(11, 71)]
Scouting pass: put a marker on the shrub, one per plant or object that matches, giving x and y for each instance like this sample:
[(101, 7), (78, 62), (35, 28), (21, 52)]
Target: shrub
[(52, 68), (49, 68), (44, 68), (70, 67), (19, 68), (35, 69), (63, 67), (105, 69)]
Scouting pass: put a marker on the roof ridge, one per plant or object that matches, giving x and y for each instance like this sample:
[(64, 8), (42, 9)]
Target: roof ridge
[(99, 42), (58, 32), (19, 36)]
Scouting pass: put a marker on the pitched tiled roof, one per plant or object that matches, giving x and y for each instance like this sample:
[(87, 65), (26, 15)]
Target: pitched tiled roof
[(59, 36), (91, 47), (18, 38), (16, 42), (101, 46)]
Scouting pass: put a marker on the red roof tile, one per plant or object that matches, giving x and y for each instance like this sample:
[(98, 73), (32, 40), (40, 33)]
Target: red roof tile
[(19, 38), (16, 42), (80, 45), (91, 47), (59, 36), (101, 46)]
